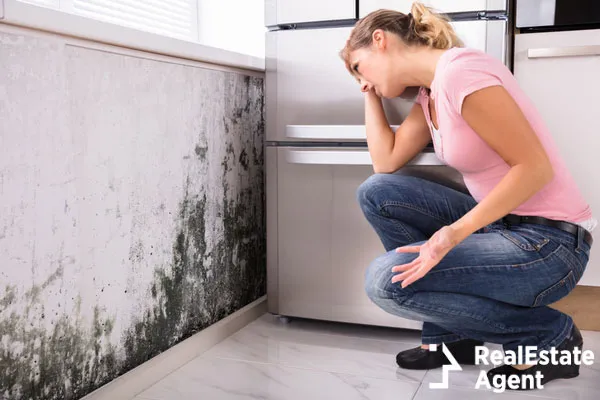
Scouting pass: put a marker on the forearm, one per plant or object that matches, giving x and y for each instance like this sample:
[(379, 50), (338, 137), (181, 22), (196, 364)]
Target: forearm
[(518, 185), (380, 137)]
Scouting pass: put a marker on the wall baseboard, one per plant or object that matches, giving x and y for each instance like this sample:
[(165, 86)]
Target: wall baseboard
[(583, 305), (132, 383)]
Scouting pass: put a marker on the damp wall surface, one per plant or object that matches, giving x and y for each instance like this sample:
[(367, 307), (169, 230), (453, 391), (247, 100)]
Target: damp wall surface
[(132, 210)]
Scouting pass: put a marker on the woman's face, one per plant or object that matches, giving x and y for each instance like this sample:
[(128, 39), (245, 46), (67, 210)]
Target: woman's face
[(375, 68)]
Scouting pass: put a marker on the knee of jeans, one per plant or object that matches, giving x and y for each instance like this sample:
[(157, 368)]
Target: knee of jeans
[(378, 278), (366, 191)]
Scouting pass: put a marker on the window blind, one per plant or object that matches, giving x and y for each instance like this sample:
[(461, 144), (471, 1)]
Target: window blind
[(177, 18), (45, 3)]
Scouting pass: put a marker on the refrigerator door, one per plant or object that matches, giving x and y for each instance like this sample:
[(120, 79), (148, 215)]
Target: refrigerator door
[(279, 12), (488, 36), (444, 6), (308, 84), (318, 239)]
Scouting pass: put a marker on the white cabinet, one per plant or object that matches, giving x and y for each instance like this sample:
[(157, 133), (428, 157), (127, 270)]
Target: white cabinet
[(560, 72), (444, 6), (296, 11)]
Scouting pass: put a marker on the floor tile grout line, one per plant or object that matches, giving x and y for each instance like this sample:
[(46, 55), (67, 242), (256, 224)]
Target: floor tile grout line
[(417, 391)]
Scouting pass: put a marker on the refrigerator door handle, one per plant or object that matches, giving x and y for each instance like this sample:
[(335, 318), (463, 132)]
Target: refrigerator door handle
[(330, 132), (572, 51), (348, 157)]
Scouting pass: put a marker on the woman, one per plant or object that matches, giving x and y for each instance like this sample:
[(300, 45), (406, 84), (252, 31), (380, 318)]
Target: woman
[(479, 268)]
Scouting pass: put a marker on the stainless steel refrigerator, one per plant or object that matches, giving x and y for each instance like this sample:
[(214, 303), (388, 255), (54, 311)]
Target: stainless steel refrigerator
[(318, 241)]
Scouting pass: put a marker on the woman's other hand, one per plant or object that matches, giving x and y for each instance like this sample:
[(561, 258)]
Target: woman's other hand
[(430, 254)]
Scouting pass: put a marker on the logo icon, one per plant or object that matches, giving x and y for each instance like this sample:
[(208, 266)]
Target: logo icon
[(454, 366)]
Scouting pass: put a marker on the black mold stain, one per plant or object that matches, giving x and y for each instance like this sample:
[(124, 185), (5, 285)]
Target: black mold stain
[(201, 152), (68, 364), (33, 294), (243, 159), (205, 285), (136, 251), (200, 286), (8, 298)]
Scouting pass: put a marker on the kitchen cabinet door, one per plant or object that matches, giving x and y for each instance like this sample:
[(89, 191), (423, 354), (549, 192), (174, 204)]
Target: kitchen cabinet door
[(559, 72), (444, 6), (298, 11)]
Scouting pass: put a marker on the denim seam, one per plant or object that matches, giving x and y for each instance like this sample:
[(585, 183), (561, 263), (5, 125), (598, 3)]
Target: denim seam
[(555, 341), (396, 222), (565, 280), (412, 207), (559, 338), (576, 266), (412, 305), (527, 247), (493, 266), (447, 338), (400, 224)]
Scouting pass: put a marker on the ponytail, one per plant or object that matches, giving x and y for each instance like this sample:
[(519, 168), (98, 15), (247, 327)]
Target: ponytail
[(421, 27), (433, 28)]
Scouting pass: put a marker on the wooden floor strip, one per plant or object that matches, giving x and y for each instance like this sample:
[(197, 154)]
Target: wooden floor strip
[(583, 305)]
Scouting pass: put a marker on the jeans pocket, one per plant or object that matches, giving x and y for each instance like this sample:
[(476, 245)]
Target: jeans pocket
[(526, 240), (556, 291)]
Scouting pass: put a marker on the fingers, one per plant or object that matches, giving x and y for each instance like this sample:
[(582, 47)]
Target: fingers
[(412, 272), (404, 267), (414, 277), (404, 275), (408, 249), (410, 276)]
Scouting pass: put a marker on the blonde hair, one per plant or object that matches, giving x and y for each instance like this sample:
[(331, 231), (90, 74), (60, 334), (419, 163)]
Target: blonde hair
[(422, 26)]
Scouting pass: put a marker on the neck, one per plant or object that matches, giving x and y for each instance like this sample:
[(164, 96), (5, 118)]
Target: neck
[(423, 62)]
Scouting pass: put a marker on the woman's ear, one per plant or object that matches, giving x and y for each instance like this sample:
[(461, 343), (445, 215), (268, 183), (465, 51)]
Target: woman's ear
[(379, 39)]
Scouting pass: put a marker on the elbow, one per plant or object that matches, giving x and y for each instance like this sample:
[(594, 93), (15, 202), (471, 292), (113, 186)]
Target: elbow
[(383, 169)]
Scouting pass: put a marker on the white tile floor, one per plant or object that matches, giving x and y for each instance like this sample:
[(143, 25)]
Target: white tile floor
[(309, 360)]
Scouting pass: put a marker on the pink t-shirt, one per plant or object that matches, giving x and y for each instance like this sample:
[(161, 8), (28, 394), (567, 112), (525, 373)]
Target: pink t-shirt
[(462, 71)]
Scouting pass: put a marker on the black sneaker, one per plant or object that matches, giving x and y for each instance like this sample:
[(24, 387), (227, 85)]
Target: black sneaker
[(549, 372), (419, 358)]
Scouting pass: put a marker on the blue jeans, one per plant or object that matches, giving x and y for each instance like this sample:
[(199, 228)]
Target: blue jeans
[(494, 286)]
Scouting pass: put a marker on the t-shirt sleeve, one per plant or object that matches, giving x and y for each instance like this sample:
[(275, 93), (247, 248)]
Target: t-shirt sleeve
[(467, 76)]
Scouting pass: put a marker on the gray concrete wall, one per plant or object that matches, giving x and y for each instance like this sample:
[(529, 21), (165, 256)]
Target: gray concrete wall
[(132, 209)]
